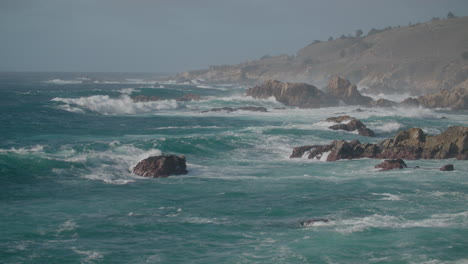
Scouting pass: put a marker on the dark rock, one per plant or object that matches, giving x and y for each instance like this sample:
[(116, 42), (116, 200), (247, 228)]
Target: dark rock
[(410, 102), (410, 144), (145, 98), (189, 97), (293, 94), (382, 103), (456, 98), (448, 167), (353, 124), (346, 91), (245, 108), (391, 164), (161, 166), (313, 221)]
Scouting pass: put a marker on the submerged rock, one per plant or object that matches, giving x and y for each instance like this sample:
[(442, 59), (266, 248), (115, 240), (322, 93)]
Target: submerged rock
[(311, 222), (293, 94), (245, 108), (145, 98), (391, 164), (448, 167), (348, 123), (346, 91), (410, 144), (189, 97), (161, 166)]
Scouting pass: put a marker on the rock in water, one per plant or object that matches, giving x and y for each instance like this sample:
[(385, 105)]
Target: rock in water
[(391, 164), (351, 125), (346, 91), (311, 222), (161, 166), (293, 94), (448, 167), (189, 97), (145, 98), (410, 144), (244, 108)]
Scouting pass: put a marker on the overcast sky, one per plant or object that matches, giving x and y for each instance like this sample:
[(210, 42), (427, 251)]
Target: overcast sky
[(179, 35)]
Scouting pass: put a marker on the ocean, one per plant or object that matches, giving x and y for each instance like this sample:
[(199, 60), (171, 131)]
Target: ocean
[(68, 142)]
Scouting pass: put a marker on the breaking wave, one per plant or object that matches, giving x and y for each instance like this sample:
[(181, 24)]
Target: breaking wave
[(106, 105)]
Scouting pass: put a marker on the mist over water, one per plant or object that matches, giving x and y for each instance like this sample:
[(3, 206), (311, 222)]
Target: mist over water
[(67, 194)]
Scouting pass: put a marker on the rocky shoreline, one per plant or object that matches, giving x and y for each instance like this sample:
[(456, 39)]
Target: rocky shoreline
[(341, 91), (409, 144)]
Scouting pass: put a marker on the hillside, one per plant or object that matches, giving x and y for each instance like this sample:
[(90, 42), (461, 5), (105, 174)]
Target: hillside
[(418, 59)]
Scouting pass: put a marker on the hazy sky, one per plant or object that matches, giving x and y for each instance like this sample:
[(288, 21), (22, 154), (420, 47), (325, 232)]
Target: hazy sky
[(179, 35)]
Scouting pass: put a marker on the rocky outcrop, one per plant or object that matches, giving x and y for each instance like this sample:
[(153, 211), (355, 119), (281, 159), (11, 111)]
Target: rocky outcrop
[(161, 166), (410, 102), (189, 97), (456, 99), (448, 167), (293, 94), (245, 108), (348, 123), (417, 59), (145, 98), (382, 103), (410, 144), (346, 91), (391, 164)]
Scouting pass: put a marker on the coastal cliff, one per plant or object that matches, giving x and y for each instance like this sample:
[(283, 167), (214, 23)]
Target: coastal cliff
[(416, 59)]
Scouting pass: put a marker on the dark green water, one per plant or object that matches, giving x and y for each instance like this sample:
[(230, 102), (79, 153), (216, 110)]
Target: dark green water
[(67, 194)]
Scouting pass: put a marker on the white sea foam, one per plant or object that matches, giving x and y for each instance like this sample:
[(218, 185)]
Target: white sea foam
[(60, 81), (33, 149), (123, 105), (388, 127), (387, 221), (388, 196), (89, 255), (68, 225), (392, 97)]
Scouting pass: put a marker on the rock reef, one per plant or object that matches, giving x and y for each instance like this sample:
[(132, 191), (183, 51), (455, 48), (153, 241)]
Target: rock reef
[(231, 109), (410, 144)]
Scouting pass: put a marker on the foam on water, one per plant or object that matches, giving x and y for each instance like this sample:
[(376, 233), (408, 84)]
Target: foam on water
[(388, 196), (360, 224), (33, 149), (123, 105)]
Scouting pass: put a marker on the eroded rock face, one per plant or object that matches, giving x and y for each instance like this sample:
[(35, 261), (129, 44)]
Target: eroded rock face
[(245, 108), (456, 99), (391, 164), (293, 94), (348, 123), (346, 91), (161, 166), (410, 144)]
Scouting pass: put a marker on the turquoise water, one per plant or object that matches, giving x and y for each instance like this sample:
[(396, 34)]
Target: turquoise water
[(67, 194)]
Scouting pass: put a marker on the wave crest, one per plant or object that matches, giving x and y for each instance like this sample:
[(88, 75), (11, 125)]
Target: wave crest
[(123, 105)]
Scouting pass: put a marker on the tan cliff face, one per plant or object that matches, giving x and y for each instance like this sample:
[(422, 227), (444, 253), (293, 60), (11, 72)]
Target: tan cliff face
[(418, 59)]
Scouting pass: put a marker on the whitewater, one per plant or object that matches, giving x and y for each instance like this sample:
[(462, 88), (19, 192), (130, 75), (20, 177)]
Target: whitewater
[(68, 143)]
